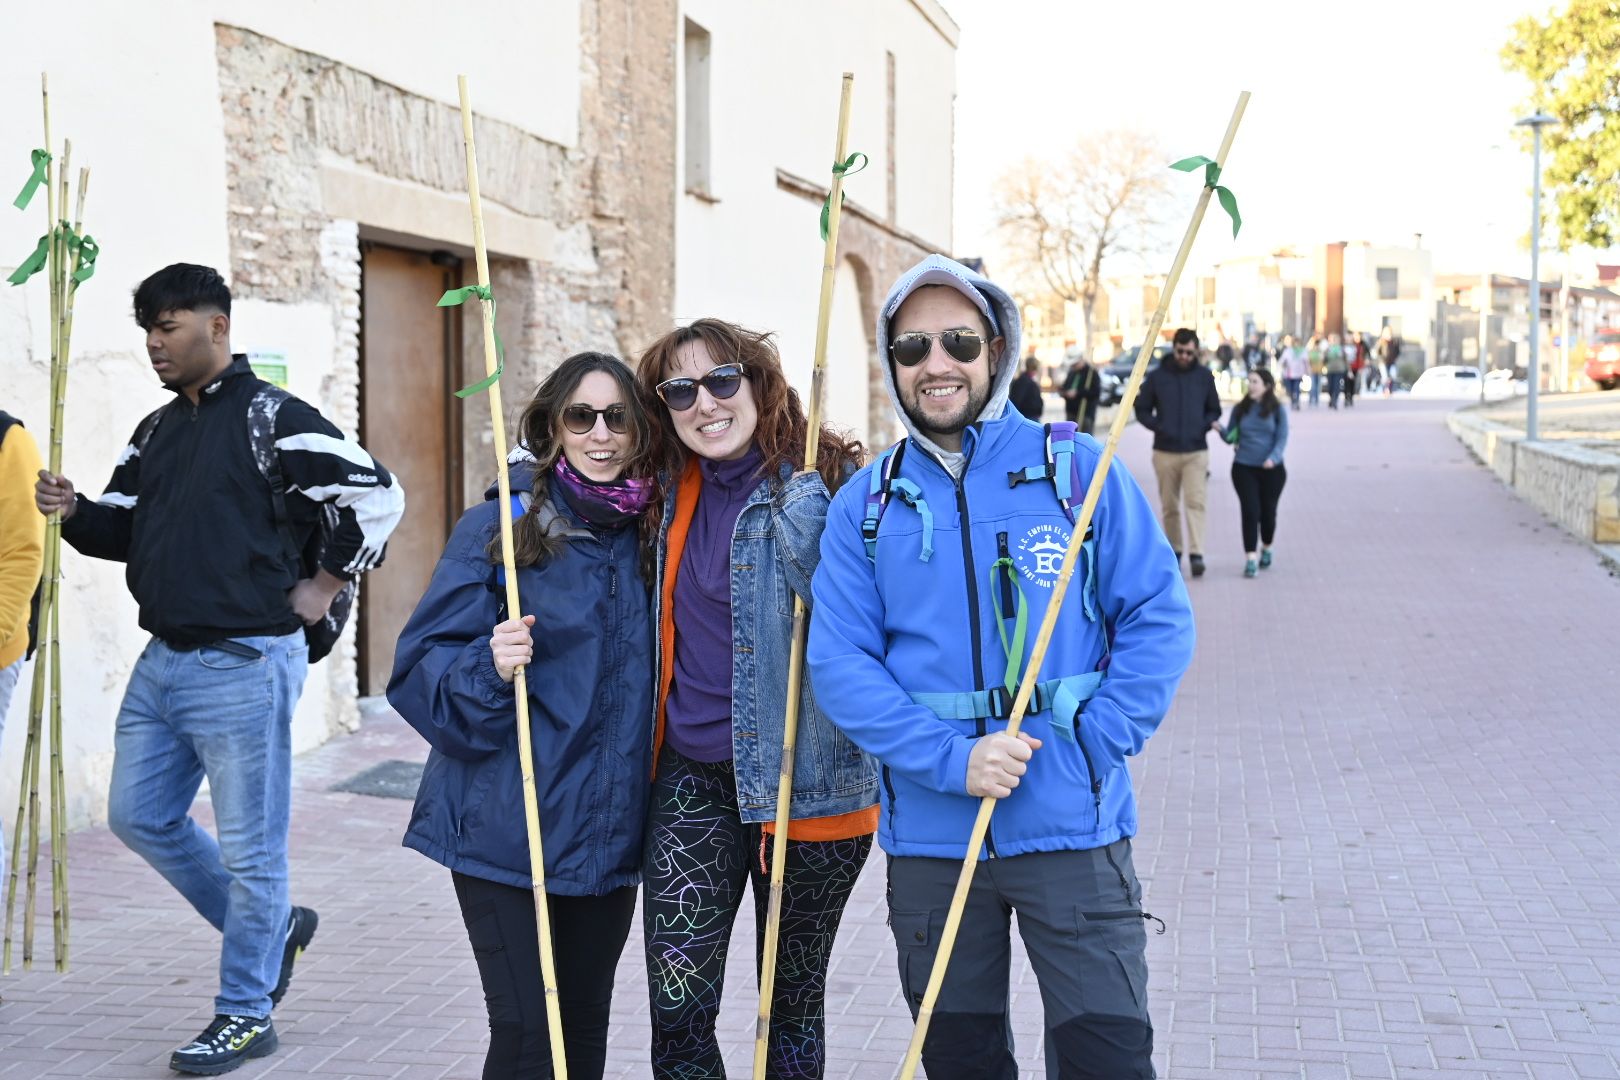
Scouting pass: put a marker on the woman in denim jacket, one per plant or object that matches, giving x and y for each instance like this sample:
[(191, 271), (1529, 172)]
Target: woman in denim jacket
[(740, 539)]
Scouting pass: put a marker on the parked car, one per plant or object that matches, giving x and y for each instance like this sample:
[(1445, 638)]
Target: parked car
[(1117, 370), (1603, 359), (1453, 383)]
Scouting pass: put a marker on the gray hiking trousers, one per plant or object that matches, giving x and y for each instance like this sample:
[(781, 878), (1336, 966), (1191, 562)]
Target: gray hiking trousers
[(1080, 916)]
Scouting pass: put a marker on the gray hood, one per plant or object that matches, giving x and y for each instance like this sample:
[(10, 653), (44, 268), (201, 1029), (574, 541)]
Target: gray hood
[(938, 270)]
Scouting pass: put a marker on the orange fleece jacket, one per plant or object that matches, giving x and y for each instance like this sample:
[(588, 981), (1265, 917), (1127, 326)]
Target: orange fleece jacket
[(839, 827)]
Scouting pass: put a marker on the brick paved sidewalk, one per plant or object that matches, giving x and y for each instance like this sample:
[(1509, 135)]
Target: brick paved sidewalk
[(1380, 824)]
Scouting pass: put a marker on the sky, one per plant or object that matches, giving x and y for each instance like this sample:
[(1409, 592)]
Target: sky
[(1371, 120)]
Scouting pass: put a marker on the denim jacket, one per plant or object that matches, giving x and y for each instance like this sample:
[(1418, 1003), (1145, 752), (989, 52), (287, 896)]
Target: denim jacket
[(775, 547)]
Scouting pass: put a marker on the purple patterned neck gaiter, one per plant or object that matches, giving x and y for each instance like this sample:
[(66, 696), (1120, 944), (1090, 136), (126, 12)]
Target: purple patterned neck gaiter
[(607, 505)]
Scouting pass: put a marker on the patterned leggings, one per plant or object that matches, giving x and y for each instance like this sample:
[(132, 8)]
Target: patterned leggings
[(700, 855)]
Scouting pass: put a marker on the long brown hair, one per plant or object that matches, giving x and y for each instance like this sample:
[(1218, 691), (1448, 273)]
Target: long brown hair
[(540, 427), (780, 433)]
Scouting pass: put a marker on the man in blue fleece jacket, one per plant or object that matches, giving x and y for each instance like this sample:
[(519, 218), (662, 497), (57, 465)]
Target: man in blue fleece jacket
[(921, 628)]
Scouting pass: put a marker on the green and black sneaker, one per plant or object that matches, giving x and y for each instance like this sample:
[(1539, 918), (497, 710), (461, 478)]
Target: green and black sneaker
[(226, 1044), (300, 929)]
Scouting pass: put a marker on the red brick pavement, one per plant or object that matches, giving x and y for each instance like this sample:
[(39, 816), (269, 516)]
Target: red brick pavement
[(1380, 824)]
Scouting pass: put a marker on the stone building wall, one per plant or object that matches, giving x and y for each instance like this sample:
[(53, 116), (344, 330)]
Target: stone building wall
[(605, 207)]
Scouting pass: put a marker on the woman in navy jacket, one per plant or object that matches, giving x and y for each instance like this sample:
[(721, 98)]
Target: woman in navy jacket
[(585, 636)]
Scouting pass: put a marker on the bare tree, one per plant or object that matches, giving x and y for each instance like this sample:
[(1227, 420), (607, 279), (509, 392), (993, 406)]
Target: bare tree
[(1061, 220)]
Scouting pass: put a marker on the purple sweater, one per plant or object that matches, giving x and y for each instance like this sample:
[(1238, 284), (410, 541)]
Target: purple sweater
[(698, 712)]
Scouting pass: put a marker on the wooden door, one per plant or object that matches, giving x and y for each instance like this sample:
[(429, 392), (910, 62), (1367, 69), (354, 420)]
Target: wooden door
[(411, 422)]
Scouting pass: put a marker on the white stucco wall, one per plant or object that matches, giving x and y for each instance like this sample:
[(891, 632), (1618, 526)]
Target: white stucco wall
[(137, 91), (754, 255)]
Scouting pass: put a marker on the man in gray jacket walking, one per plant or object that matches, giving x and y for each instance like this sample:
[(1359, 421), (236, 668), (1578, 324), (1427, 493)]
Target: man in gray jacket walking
[(1178, 403)]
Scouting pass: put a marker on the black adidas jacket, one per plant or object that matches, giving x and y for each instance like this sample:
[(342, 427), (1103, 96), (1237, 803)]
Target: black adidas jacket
[(192, 515)]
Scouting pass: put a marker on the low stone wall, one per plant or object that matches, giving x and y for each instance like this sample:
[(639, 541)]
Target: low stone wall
[(1574, 484)]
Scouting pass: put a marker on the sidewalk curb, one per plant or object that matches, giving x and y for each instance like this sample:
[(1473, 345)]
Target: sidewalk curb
[(1575, 486)]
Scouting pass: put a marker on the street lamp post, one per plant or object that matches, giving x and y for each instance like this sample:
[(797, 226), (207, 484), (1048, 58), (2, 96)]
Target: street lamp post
[(1535, 124)]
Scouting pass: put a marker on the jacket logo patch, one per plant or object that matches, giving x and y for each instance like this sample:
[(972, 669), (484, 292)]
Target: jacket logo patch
[(1039, 555), (362, 478)]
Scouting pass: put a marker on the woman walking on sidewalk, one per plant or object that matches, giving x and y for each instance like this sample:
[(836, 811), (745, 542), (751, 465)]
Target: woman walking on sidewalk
[(1259, 431), (740, 537), (1294, 369), (579, 492), (1316, 359)]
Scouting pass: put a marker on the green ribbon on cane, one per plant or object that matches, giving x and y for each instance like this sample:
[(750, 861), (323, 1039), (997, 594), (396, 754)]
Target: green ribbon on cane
[(845, 168), (34, 263), (40, 159), (1212, 176), (87, 249), (457, 297)]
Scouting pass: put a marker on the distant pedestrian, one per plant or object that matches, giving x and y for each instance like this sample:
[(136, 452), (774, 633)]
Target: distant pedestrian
[(1388, 353), (1254, 355), (1178, 403), (1335, 366), (1355, 351), (1259, 431), (1316, 359), (22, 546), (1082, 389), (1295, 368), (1025, 393)]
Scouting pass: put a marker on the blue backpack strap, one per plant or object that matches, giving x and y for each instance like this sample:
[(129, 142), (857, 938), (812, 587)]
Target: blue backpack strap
[(885, 480), (1063, 696)]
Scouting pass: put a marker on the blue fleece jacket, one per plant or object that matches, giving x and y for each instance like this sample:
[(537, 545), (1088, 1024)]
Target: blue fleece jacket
[(897, 624)]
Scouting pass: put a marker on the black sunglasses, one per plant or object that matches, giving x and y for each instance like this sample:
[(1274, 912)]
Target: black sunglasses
[(912, 348), (580, 419), (721, 382)]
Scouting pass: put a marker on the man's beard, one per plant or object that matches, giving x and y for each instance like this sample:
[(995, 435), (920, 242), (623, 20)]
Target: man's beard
[(952, 424)]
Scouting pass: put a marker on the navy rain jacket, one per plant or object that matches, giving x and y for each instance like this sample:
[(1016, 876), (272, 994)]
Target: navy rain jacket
[(590, 706)]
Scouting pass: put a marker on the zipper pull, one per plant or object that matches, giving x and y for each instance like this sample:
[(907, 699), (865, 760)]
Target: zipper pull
[(613, 580)]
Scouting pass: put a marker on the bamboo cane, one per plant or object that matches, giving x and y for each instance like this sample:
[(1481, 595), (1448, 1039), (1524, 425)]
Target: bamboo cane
[(790, 720), (531, 808), (981, 824), (68, 289)]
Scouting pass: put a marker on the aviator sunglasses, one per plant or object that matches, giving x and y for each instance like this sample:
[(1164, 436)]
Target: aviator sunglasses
[(721, 382), (580, 419), (911, 349)]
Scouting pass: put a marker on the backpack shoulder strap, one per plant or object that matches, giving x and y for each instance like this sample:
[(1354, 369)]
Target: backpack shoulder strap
[(1058, 466), (266, 402), (881, 485)]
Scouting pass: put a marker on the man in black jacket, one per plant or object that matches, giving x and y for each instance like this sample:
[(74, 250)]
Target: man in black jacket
[(216, 572), (1178, 403), (1082, 389), (1025, 391)]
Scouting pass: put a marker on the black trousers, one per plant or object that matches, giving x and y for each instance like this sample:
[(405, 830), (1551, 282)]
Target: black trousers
[(1258, 491), (587, 936)]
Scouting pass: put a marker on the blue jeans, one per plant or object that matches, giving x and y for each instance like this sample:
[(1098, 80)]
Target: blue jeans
[(9, 676), (223, 712), (1316, 389)]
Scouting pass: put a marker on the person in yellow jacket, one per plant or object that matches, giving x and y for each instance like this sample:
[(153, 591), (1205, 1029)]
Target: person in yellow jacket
[(22, 551)]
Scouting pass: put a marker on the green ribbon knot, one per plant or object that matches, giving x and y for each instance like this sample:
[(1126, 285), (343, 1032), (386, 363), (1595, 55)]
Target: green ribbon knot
[(845, 168), (1212, 176), (40, 159), (87, 249), (457, 297), (34, 263)]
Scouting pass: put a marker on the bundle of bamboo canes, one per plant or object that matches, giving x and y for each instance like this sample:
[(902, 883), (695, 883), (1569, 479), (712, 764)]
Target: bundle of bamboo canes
[(68, 259)]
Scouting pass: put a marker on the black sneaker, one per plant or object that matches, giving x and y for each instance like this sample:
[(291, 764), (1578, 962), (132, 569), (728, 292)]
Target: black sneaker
[(300, 928), (1196, 562), (226, 1044)]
